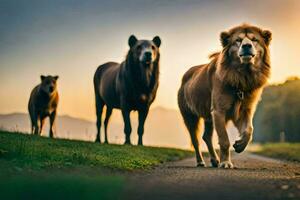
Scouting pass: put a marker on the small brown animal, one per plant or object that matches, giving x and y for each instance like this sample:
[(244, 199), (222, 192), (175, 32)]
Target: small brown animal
[(128, 86), (43, 103), (227, 88)]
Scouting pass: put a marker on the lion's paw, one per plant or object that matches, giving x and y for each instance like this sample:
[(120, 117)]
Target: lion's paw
[(226, 165), (201, 164), (214, 162), (240, 145)]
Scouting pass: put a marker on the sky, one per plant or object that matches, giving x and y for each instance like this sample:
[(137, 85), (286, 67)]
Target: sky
[(72, 38)]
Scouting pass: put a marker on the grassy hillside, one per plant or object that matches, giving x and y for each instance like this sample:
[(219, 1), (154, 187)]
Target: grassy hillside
[(285, 151), (33, 167), (39, 152)]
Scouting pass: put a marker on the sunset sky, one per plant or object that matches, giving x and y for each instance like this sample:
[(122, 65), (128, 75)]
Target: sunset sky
[(71, 38)]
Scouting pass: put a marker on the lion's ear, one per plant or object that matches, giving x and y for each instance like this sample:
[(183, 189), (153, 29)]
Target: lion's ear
[(267, 35), (224, 37), (132, 41)]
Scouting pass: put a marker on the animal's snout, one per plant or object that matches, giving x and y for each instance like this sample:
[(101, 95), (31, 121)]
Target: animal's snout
[(246, 47), (148, 56), (247, 50), (51, 88)]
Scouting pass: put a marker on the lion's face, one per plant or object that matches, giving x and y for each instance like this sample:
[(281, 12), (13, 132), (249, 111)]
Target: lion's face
[(246, 44)]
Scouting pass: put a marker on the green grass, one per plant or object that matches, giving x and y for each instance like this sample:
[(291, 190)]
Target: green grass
[(285, 151), (33, 167), (38, 152)]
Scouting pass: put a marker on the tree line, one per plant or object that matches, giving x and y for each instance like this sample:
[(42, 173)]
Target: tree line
[(278, 113)]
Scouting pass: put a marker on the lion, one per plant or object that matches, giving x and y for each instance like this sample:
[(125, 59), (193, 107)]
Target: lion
[(130, 85), (227, 88), (43, 103)]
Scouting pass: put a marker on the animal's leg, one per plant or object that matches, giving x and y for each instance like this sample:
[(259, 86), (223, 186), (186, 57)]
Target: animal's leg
[(142, 118), (52, 124), (191, 121), (207, 137), (245, 127), (35, 122), (32, 120), (106, 121), (127, 125), (42, 122), (99, 110), (220, 126), (32, 128)]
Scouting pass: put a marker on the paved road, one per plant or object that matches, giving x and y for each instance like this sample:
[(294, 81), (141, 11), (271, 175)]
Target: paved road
[(254, 177)]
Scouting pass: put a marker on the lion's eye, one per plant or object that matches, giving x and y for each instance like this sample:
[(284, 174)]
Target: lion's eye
[(254, 40), (238, 41)]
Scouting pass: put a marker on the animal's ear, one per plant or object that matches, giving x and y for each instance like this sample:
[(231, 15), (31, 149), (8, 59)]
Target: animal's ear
[(267, 35), (157, 41), (132, 41), (55, 77), (43, 78), (224, 37)]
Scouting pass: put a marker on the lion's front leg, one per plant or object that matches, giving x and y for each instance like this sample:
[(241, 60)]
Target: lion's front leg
[(220, 126), (245, 127)]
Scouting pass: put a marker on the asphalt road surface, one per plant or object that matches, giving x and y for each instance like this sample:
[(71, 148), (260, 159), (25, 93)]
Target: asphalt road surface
[(254, 177)]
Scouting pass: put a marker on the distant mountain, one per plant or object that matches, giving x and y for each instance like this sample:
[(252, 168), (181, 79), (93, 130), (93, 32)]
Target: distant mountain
[(164, 127), (66, 126)]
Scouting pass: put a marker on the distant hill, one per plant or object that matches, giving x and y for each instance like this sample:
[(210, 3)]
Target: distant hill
[(67, 127), (164, 127)]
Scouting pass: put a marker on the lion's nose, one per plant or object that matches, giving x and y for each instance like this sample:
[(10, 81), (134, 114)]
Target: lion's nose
[(246, 46)]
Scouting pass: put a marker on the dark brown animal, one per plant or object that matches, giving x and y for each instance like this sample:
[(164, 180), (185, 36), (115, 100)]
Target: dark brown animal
[(227, 88), (128, 86), (43, 103)]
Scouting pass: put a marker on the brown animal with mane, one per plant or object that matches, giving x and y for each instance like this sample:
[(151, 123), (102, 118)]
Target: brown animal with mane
[(128, 86), (227, 88)]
